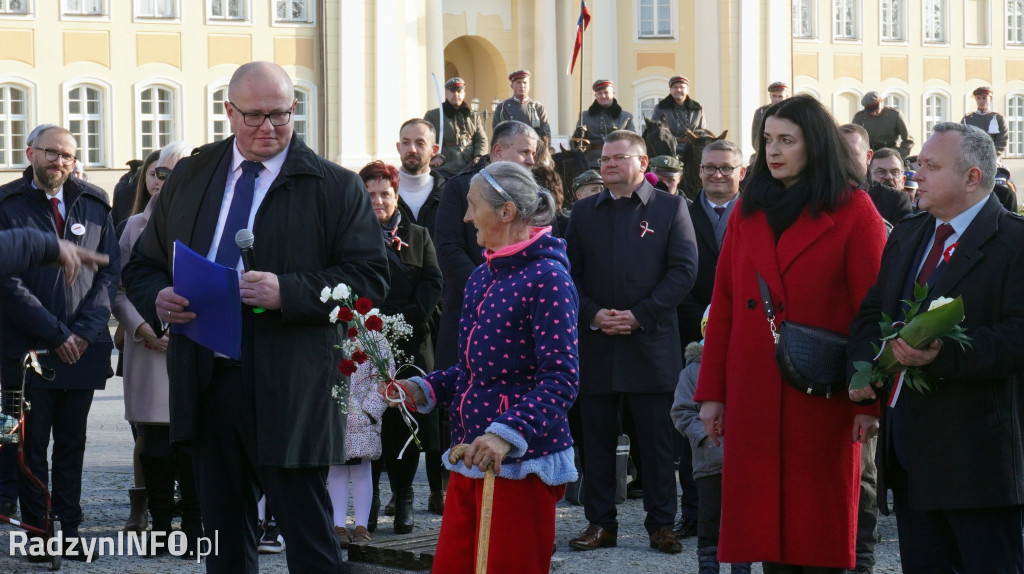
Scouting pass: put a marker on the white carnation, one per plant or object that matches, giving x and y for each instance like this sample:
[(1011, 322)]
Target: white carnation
[(325, 294), (334, 314), (341, 292)]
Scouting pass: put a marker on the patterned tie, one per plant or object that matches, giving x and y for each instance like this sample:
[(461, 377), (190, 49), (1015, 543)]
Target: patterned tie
[(58, 220), (238, 214), (719, 210), (942, 233)]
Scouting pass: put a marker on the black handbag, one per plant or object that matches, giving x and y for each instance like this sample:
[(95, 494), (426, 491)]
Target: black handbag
[(811, 359)]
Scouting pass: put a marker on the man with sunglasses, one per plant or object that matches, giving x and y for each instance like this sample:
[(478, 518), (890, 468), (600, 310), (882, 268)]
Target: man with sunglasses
[(39, 311), (265, 422)]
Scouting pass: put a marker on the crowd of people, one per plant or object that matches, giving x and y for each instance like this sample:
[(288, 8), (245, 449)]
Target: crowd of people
[(549, 317)]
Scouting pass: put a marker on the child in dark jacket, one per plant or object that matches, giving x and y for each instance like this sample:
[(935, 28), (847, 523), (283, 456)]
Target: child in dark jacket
[(707, 461)]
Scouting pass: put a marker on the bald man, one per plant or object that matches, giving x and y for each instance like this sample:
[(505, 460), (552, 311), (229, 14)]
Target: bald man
[(267, 420)]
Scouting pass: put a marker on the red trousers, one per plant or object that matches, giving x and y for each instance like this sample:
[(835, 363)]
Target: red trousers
[(522, 526)]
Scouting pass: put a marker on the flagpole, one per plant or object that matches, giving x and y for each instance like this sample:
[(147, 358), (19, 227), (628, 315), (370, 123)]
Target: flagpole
[(583, 51)]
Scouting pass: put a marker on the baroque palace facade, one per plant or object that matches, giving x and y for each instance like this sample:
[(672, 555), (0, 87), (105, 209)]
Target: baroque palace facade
[(127, 76)]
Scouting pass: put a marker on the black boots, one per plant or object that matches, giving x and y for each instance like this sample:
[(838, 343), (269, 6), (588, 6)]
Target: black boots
[(137, 519), (404, 520), (707, 559)]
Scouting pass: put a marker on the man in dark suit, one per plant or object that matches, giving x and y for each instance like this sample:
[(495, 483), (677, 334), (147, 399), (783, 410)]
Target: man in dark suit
[(952, 456), (892, 204), (634, 259), (266, 422), (721, 171), (39, 312), (458, 253)]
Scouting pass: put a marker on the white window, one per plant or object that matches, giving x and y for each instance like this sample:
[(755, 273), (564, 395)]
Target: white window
[(933, 27), (844, 20), (646, 107), (13, 125), (156, 9), (1015, 21), (897, 101), (220, 126), (156, 113), (227, 9), (1015, 125), (892, 13), (936, 110), (14, 6), (85, 121), (301, 116), (293, 11), (654, 19), (803, 18), (85, 7)]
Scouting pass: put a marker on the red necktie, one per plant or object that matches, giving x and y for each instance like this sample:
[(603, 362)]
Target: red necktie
[(942, 233), (58, 220)]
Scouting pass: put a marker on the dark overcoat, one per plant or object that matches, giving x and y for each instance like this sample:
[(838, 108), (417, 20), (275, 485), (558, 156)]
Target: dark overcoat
[(965, 436), (697, 300), (617, 265), (791, 473), (315, 228)]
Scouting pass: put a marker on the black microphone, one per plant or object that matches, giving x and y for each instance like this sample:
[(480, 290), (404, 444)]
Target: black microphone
[(244, 239)]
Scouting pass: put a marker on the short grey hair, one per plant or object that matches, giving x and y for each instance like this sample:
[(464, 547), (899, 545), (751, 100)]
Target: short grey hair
[(976, 150), (174, 150), (38, 131), (505, 132), (534, 204), (723, 145)]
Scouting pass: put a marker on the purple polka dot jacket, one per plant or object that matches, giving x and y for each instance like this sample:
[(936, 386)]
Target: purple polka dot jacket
[(518, 369)]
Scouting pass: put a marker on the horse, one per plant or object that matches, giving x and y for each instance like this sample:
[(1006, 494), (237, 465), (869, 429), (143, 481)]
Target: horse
[(569, 164), (659, 139)]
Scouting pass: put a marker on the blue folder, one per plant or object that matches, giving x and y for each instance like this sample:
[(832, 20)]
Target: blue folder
[(212, 293)]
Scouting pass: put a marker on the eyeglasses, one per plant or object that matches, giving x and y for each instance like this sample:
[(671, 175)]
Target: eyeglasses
[(255, 120), (52, 155), (710, 170), (162, 173), (616, 158), (494, 183), (894, 173)]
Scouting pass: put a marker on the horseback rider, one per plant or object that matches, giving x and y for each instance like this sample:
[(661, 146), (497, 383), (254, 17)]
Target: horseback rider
[(603, 117)]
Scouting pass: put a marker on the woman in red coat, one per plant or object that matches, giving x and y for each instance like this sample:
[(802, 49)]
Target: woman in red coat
[(791, 473)]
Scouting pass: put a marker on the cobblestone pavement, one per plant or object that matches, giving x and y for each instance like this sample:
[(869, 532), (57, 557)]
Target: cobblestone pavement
[(108, 476)]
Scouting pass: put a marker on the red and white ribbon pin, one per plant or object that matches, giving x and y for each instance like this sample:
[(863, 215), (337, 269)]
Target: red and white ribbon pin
[(645, 228)]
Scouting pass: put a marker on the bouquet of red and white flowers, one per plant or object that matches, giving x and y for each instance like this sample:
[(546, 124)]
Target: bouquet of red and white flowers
[(370, 336)]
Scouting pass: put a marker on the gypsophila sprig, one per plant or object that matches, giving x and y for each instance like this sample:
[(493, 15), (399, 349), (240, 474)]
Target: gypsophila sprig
[(369, 336)]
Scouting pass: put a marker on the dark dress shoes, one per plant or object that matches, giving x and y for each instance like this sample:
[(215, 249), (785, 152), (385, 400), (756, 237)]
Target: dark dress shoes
[(665, 541), (595, 537)]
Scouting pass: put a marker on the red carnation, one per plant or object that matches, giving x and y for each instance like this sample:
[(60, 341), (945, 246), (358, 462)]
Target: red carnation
[(374, 323), (345, 314), (347, 367), (364, 305), (359, 356), (352, 332)]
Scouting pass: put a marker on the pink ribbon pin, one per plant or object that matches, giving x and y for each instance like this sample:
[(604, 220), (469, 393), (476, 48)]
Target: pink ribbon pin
[(645, 228)]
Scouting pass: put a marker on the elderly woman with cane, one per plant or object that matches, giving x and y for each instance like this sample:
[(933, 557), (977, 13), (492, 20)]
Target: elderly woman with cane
[(516, 377)]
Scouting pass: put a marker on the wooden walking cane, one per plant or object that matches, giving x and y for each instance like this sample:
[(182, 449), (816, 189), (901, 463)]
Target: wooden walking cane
[(483, 538)]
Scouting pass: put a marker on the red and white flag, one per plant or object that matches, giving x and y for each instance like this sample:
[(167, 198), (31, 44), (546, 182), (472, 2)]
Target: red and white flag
[(581, 25)]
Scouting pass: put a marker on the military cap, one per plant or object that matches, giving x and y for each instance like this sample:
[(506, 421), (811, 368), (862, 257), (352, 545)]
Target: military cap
[(870, 99), (983, 91), (601, 84), (676, 79), (667, 162), (455, 84), (586, 178), (910, 183), (134, 164), (518, 75), (777, 86)]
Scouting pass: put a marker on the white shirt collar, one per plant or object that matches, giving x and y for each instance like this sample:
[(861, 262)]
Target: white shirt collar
[(271, 166)]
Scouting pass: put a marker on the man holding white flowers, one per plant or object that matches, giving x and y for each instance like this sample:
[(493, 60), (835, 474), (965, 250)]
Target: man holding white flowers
[(266, 422), (953, 456)]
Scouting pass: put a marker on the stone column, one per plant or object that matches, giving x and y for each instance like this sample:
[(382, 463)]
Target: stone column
[(545, 67), (435, 46), (352, 110)]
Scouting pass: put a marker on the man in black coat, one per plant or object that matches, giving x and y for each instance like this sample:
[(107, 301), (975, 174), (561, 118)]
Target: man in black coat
[(892, 204), (267, 421), (458, 253), (419, 187), (953, 456), (721, 171), (634, 259), (40, 312)]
